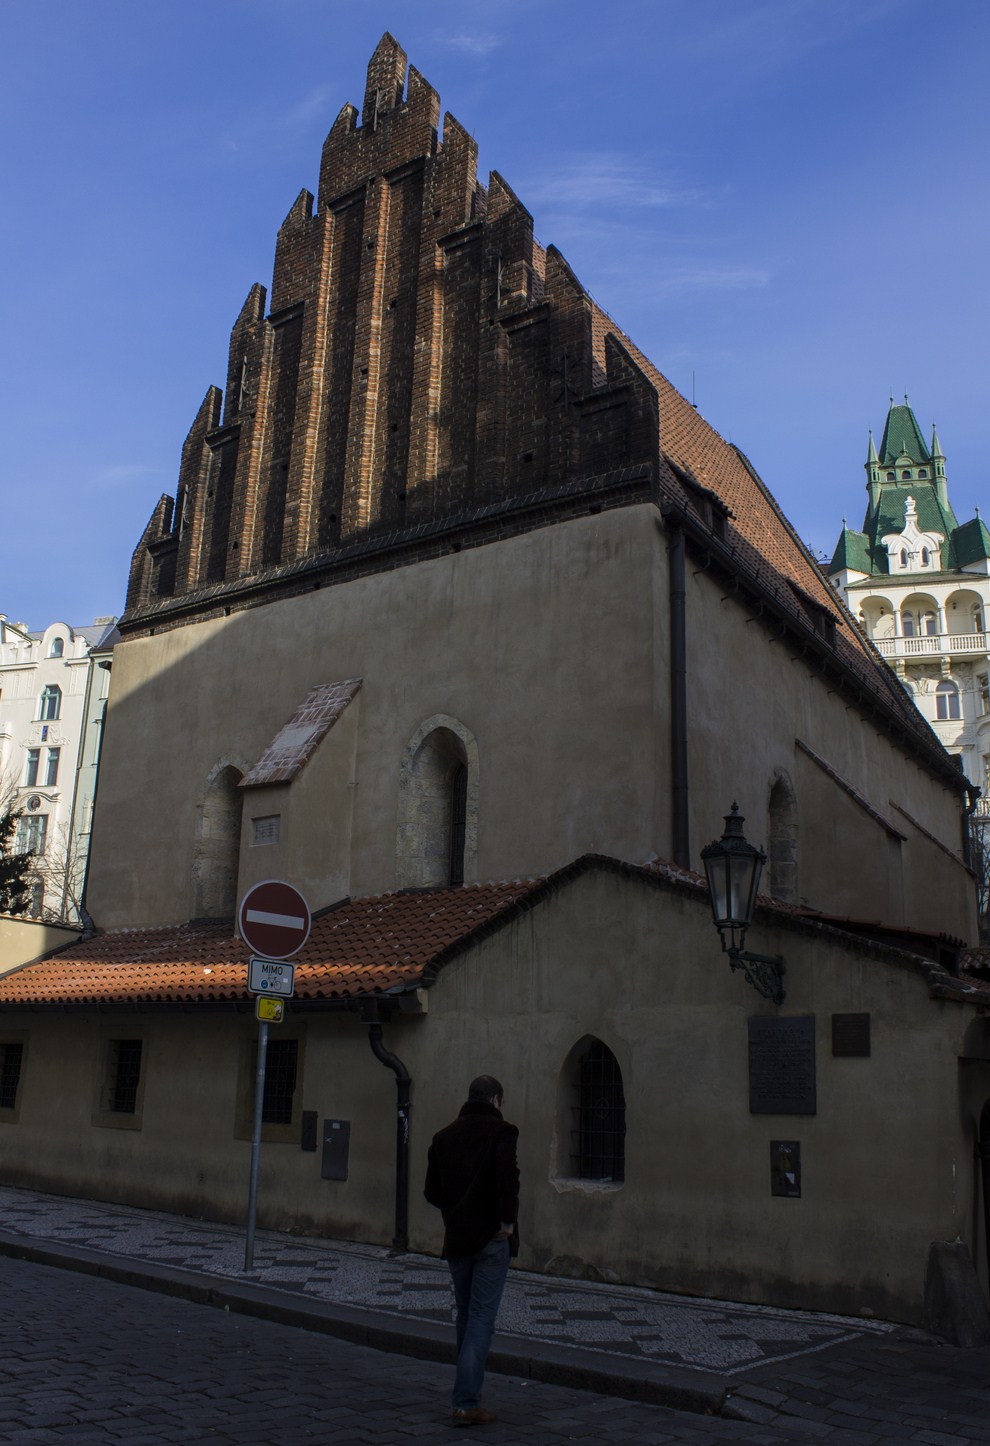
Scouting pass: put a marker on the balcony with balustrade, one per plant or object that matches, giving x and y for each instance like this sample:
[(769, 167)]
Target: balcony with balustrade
[(934, 645)]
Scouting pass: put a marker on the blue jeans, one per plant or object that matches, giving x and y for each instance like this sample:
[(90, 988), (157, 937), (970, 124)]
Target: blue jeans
[(478, 1284)]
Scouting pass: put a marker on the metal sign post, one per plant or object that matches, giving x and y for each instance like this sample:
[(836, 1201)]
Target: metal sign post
[(259, 1101), (274, 921)]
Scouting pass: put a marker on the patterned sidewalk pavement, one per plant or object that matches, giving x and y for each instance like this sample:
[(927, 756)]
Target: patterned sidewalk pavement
[(649, 1343)]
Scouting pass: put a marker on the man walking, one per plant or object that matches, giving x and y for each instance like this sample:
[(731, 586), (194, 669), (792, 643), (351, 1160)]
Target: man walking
[(473, 1179)]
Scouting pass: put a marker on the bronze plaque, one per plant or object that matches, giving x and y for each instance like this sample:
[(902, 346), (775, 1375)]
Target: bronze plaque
[(782, 1065)]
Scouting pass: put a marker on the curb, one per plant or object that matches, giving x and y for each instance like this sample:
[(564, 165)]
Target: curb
[(681, 1390)]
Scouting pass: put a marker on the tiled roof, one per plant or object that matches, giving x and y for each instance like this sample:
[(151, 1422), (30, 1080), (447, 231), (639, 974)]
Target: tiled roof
[(355, 949), (901, 433), (298, 739)]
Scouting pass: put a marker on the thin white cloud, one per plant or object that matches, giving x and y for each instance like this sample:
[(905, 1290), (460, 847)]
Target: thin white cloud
[(478, 43), (608, 179)]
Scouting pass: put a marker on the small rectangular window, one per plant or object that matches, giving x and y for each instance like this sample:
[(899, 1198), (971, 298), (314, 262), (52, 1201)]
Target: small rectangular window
[(51, 775), (11, 1058), (266, 830), (31, 773), (123, 1076)]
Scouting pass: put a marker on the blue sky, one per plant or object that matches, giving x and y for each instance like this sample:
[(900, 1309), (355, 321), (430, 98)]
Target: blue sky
[(784, 202)]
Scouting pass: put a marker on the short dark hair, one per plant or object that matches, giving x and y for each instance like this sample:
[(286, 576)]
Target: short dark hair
[(485, 1087)]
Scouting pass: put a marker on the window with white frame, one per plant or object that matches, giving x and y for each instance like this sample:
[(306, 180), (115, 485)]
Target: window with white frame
[(51, 772), (31, 771), (32, 833), (947, 701), (51, 703)]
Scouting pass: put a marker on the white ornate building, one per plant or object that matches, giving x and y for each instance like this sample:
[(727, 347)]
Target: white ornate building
[(53, 693), (918, 581)]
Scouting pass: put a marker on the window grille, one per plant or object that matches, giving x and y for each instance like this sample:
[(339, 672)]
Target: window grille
[(600, 1136), (124, 1076), (281, 1061), (458, 823), (11, 1056)]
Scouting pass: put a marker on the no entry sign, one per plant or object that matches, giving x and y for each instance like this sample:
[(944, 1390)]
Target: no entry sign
[(274, 919)]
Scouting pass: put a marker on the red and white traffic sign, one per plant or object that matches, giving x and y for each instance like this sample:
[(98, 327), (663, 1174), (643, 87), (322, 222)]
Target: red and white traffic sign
[(274, 919)]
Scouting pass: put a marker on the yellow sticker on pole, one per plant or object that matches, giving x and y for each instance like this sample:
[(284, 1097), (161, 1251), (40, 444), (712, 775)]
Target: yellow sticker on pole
[(270, 1010)]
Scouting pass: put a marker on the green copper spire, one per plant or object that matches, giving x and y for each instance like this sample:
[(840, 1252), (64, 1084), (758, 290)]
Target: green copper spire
[(871, 455), (936, 445), (902, 437)]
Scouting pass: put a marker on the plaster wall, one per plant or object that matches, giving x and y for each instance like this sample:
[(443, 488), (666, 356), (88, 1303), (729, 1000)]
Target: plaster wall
[(542, 646), (551, 650), (745, 726)]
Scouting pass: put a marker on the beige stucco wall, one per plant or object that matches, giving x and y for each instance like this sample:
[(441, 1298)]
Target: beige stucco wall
[(887, 1160), (552, 650), (23, 940)]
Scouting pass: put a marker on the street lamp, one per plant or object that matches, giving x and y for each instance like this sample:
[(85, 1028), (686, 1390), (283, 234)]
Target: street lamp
[(733, 866)]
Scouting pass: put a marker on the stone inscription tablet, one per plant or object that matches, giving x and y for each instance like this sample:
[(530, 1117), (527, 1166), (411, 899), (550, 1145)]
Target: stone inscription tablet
[(782, 1066)]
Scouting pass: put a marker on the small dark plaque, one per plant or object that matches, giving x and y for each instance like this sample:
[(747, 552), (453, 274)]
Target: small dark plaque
[(785, 1168), (310, 1119), (782, 1065), (336, 1144), (851, 1035)]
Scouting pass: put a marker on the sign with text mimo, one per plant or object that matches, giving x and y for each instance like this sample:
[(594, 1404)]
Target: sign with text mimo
[(274, 919), (270, 976)]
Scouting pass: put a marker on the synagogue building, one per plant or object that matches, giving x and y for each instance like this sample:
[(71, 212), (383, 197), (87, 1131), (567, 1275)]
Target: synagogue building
[(465, 622)]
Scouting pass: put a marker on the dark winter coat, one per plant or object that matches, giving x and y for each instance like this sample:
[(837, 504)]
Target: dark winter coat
[(473, 1179)]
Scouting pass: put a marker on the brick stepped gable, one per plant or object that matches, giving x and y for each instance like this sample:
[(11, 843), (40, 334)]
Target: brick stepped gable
[(423, 358)]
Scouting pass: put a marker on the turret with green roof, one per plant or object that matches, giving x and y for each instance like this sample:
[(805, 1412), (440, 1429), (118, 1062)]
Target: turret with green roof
[(907, 468)]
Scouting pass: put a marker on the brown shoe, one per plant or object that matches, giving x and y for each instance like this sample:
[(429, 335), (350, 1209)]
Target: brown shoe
[(474, 1416)]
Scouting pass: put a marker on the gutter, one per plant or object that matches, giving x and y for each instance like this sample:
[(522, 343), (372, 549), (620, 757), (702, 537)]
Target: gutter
[(403, 1088)]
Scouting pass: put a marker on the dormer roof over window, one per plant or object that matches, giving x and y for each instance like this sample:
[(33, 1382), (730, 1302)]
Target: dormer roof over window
[(912, 550)]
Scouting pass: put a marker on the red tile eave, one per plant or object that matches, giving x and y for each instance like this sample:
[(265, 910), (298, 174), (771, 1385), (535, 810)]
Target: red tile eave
[(358, 949)]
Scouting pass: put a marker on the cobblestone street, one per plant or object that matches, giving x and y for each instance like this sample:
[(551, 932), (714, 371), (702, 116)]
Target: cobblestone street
[(91, 1361)]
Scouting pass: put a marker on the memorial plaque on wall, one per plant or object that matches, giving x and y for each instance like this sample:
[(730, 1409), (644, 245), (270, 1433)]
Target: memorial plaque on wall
[(782, 1066)]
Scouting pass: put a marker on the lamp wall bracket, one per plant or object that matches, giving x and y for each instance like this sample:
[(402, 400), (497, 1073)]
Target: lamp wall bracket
[(764, 971)]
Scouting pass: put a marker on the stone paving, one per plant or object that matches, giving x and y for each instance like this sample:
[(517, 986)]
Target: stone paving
[(89, 1359), (634, 1324)]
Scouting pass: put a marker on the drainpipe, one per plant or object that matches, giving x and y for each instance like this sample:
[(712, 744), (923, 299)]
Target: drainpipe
[(403, 1089), (680, 817)]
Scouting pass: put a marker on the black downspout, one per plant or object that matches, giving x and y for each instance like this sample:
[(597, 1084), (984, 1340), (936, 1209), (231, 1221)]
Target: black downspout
[(680, 817), (403, 1089)]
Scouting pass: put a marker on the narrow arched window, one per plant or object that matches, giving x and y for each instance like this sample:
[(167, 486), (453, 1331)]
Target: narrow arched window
[(57, 648), (598, 1109), (947, 701), (216, 856), (907, 623), (782, 833), (51, 703), (903, 557), (929, 624), (458, 823), (924, 557)]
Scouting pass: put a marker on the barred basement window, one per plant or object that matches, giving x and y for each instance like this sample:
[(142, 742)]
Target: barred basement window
[(267, 830), (11, 1056), (281, 1062), (123, 1076), (599, 1139)]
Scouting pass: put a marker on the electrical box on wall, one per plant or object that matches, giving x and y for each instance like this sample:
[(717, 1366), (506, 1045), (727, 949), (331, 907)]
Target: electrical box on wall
[(336, 1143)]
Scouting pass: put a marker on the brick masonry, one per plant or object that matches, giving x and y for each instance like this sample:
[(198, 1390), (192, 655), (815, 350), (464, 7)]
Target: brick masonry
[(423, 357)]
